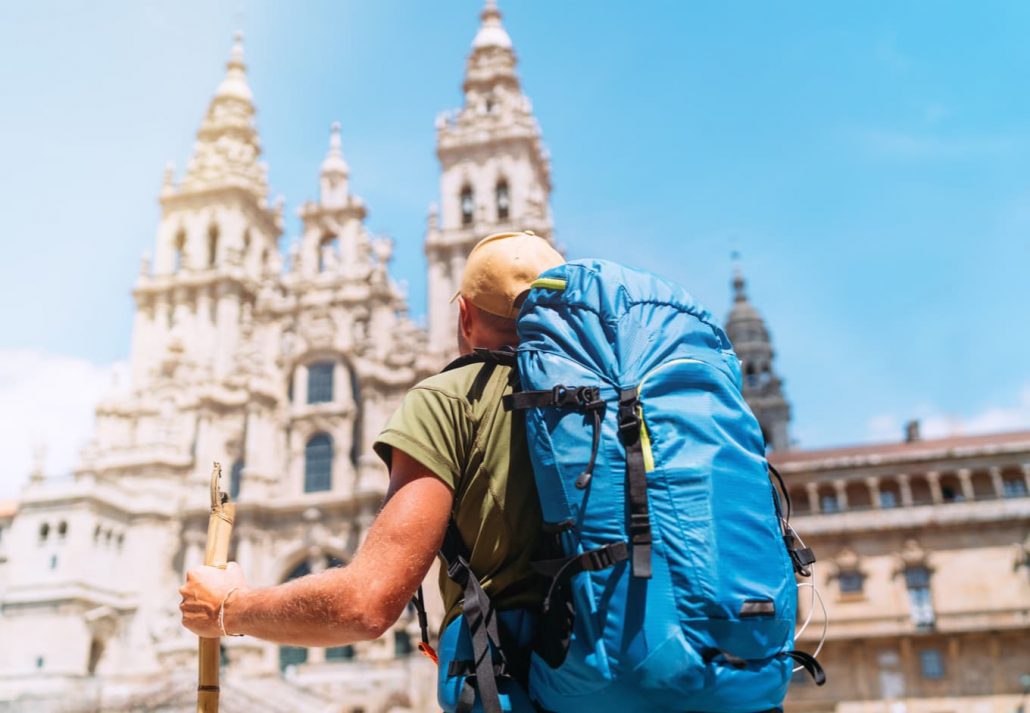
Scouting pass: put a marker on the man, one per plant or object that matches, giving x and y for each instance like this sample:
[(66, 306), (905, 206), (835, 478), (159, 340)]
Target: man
[(452, 450)]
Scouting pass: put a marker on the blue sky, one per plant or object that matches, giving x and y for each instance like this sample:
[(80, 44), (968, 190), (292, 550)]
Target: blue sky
[(869, 162)]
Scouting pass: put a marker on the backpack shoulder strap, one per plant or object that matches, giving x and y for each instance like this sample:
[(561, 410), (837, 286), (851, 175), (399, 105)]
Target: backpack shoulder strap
[(481, 620), (504, 356)]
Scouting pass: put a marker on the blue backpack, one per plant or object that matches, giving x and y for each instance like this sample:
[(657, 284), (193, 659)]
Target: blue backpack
[(672, 567)]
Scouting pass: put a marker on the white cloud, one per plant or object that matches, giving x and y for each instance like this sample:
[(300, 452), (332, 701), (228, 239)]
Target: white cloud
[(47, 401), (934, 423)]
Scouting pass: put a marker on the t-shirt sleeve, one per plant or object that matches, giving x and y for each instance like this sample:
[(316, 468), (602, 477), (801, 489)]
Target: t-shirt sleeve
[(434, 428)]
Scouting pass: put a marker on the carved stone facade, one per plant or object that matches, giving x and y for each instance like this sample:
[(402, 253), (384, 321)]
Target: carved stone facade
[(286, 369), (283, 372)]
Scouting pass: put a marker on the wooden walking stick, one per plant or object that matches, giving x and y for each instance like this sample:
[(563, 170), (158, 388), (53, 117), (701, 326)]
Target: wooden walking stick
[(219, 529)]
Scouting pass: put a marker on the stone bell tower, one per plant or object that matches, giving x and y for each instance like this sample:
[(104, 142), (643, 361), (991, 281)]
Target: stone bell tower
[(495, 171), (763, 388), (216, 240)]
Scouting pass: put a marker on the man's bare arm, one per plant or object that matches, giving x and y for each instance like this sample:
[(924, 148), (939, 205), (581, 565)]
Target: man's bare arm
[(341, 605)]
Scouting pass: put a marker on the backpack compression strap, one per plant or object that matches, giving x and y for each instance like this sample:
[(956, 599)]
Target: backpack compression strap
[(585, 398), (636, 483)]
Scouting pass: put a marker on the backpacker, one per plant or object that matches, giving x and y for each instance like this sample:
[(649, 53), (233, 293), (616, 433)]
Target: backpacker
[(673, 576)]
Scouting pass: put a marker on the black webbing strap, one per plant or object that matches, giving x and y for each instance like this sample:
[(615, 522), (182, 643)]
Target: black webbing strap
[(800, 557), (636, 483), (481, 622), (581, 397), (584, 398), (783, 490), (419, 602), (562, 570), (504, 356), (467, 667), (808, 663)]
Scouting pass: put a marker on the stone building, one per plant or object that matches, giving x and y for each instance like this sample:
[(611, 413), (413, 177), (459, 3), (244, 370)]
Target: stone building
[(924, 567), (924, 557), (285, 370)]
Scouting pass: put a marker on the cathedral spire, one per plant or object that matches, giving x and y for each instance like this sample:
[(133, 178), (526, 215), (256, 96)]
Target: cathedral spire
[(491, 31), (491, 64), (762, 387), (495, 171), (227, 149), (334, 188)]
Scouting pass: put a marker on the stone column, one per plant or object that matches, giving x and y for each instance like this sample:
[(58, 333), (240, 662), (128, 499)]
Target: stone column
[(905, 486), (934, 480), (300, 384), (996, 480), (841, 488), (813, 496), (873, 483), (965, 477)]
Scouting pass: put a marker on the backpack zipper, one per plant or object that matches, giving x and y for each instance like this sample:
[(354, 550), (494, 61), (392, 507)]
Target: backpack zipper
[(645, 438)]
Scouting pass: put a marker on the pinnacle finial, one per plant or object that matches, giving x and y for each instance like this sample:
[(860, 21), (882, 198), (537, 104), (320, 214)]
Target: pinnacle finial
[(334, 138), (235, 83), (236, 55), (738, 278), (334, 162), (491, 31), (168, 179)]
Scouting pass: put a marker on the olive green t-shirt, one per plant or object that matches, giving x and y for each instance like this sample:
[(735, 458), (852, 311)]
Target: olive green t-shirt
[(454, 424)]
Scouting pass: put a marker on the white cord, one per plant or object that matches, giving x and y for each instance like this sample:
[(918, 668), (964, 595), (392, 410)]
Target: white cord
[(816, 596), (826, 621)]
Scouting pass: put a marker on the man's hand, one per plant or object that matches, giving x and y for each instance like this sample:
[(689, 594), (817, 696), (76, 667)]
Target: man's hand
[(203, 594)]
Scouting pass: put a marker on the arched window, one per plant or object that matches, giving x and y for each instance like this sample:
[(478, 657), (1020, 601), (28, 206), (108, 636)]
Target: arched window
[(318, 463), (503, 200), (468, 206), (179, 247), (320, 382), (96, 652), (44, 532), (62, 529), (234, 478), (212, 245), (328, 252)]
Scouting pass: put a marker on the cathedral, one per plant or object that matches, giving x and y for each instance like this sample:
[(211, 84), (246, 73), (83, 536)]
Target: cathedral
[(285, 369)]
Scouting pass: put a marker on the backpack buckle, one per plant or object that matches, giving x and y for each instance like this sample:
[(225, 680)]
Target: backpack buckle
[(629, 418)]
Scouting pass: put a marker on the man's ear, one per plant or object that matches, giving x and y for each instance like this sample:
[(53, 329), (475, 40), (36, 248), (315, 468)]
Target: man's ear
[(464, 325)]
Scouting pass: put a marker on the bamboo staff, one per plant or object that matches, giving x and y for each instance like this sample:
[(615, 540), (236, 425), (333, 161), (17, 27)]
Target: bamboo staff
[(219, 529)]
